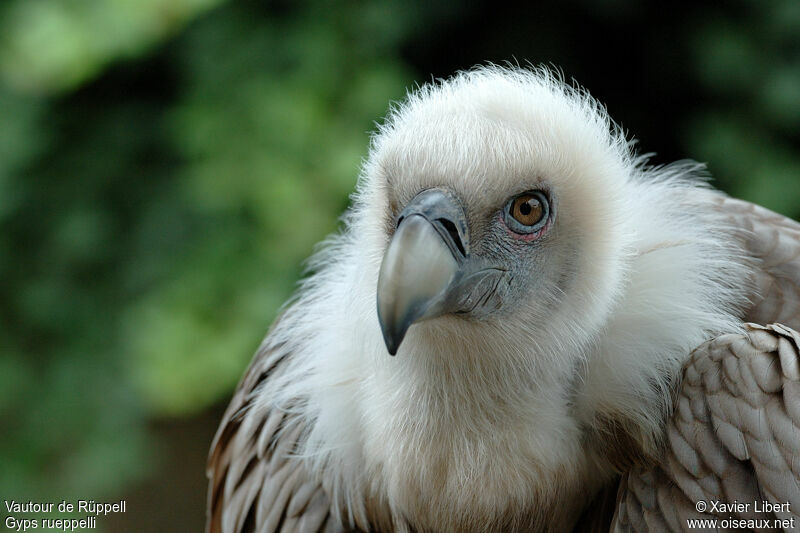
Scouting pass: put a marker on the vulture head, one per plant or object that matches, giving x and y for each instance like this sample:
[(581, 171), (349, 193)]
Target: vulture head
[(540, 286), (504, 201)]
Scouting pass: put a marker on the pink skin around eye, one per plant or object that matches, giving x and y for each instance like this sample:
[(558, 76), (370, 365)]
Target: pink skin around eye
[(527, 237)]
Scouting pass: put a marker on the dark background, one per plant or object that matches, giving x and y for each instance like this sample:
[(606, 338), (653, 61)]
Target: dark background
[(166, 166)]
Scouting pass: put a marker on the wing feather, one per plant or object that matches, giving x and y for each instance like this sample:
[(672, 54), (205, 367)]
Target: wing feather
[(773, 240), (256, 483), (734, 437)]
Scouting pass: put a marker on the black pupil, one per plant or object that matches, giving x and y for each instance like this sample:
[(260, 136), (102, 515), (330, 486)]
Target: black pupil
[(526, 208)]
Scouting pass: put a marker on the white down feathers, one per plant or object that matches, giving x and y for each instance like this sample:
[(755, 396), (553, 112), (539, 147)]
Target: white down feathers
[(476, 416)]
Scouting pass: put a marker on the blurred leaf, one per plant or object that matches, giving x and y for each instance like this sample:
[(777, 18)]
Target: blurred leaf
[(780, 96), (89, 34), (726, 57), (748, 162)]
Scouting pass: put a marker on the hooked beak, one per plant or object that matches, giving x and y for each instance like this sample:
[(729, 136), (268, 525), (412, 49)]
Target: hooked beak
[(427, 270)]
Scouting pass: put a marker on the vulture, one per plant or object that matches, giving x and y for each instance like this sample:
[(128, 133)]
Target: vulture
[(524, 326)]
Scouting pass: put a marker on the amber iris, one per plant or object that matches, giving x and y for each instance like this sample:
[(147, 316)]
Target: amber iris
[(527, 209)]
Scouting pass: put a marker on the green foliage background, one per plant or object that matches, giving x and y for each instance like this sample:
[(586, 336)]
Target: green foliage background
[(166, 166)]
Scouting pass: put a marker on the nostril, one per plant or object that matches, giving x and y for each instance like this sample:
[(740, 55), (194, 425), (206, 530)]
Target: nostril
[(453, 231)]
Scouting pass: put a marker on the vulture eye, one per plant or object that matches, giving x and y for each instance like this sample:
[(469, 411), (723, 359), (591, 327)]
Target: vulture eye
[(527, 212)]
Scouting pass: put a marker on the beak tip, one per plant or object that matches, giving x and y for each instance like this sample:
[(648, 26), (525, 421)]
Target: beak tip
[(392, 340), (394, 326)]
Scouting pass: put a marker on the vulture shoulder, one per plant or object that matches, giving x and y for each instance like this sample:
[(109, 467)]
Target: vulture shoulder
[(735, 432), (773, 241), (256, 484), (734, 437)]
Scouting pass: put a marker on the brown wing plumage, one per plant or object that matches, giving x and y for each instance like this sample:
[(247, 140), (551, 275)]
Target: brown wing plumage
[(773, 240), (734, 435), (256, 485)]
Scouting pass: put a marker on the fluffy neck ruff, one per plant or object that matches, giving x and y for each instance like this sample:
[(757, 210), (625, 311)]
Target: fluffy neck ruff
[(487, 425)]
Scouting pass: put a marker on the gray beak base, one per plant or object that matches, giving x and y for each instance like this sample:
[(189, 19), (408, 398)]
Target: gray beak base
[(421, 263), (416, 271)]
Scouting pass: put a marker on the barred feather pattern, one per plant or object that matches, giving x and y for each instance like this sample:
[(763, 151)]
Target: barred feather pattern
[(734, 437), (256, 483)]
